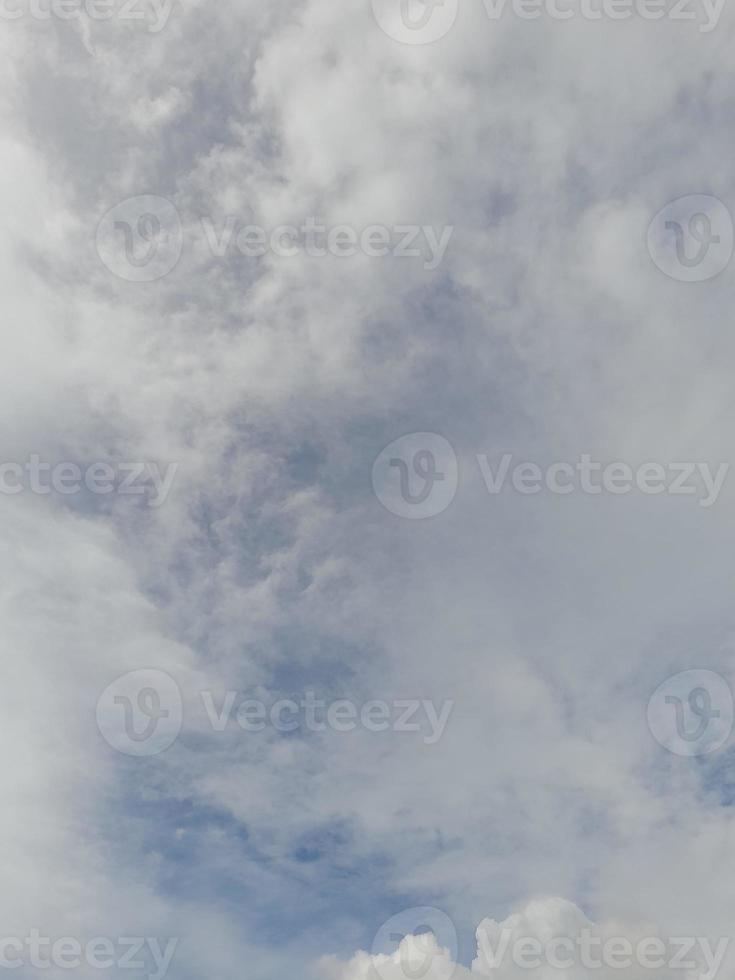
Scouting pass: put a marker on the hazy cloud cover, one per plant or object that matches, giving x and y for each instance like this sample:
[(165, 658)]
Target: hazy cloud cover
[(552, 326)]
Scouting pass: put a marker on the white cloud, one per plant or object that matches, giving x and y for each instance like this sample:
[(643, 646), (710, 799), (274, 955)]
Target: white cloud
[(548, 938), (546, 331)]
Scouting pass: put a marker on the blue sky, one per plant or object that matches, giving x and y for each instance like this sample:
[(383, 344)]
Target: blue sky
[(551, 327)]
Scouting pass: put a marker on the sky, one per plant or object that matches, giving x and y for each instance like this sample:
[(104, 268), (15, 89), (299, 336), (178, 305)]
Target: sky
[(365, 353)]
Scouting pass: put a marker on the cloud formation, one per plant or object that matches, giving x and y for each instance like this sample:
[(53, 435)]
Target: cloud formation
[(273, 384)]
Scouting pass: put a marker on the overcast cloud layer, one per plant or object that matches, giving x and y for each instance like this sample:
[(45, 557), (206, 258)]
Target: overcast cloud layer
[(277, 563)]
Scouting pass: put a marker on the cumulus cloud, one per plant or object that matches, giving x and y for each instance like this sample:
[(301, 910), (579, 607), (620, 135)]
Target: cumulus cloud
[(547, 938)]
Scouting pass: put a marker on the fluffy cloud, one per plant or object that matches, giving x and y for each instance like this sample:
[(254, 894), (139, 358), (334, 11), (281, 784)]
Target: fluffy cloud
[(548, 938), (273, 384)]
